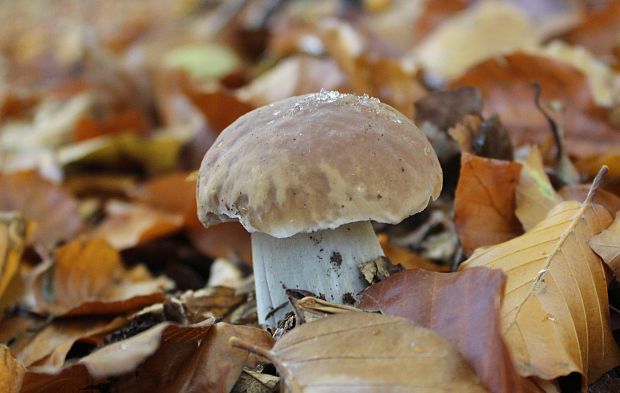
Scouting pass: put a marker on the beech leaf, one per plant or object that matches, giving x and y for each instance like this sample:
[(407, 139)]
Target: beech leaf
[(87, 277), (473, 326), (554, 315), (52, 209), (485, 201), (535, 195), (365, 352), (11, 372), (607, 245)]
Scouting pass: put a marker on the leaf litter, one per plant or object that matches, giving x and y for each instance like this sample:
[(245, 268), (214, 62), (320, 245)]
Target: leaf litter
[(108, 282)]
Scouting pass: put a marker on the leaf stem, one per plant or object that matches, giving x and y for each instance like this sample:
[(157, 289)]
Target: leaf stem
[(596, 184)]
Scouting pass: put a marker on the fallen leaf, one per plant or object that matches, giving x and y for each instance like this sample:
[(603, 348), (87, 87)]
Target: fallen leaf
[(579, 192), (11, 372), (607, 245), (587, 130), (535, 196), (228, 240), (216, 302), (293, 76), (482, 31), (51, 345), (598, 31), (253, 382), (433, 14), (406, 258), (473, 325), (13, 238), (485, 202), (128, 120), (366, 352), (219, 106), (202, 61), (173, 193), (49, 207), (130, 224), (555, 311), (87, 277), (166, 341)]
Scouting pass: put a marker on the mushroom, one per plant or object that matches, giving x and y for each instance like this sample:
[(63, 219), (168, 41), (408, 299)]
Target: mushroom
[(306, 176)]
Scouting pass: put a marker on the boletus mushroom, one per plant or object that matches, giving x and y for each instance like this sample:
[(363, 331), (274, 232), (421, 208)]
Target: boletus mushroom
[(306, 176)]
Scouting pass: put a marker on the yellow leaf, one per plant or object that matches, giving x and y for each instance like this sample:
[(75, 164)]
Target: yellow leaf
[(607, 245), (535, 194), (13, 235), (555, 310), (11, 372)]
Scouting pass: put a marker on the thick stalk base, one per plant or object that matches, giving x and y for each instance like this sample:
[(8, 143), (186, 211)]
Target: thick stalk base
[(324, 263)]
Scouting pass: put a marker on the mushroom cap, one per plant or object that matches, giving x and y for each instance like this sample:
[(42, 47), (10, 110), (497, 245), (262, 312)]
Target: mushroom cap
[(316, 162)]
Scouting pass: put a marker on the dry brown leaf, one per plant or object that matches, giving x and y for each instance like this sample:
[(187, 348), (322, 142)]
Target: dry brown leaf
[(219, 106), (579, 192), (607, 245), (485, 30), (165, 358), (13, 237), (51, 345), (535, 195), (130, 224), (88, 277), (50, 208), (406, 258), (173, 193), (472, 325), (587, 130), (293, 76), (366, 352), (485, 202), (599, 31), (11, 372), (166, 342), (434, 13), (228, 240), (555, 311)]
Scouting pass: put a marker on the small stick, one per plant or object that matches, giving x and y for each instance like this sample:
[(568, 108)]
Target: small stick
[(596, 184)]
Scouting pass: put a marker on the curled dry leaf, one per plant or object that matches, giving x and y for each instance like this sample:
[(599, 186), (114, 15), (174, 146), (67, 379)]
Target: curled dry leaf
[(535, 196), (164, 358), (118, 359), (485, 202), (87, 277), (13, 238), (473, 325), (293, 76), (366, 352), (555, 311), (588, 134), (598, 31), (579, 192), (406, 258), (130, 224), (51, 345), (11, 372), (482, 31), (607, 245), (49, 207)]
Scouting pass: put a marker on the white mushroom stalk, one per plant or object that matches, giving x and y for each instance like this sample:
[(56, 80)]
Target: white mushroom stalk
[(324, 263)]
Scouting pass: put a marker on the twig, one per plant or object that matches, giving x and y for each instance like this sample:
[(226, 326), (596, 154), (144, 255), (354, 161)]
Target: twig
[(596, 184)]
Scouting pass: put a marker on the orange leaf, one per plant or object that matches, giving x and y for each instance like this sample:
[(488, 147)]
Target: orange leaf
[(52, 209), (484, 203), (87, 277), (586, 125)]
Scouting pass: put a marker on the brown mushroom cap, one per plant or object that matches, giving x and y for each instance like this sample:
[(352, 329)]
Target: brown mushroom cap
[(316, 162)]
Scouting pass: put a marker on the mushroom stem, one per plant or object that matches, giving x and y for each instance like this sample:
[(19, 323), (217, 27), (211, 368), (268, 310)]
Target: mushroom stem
[(323, 262)]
